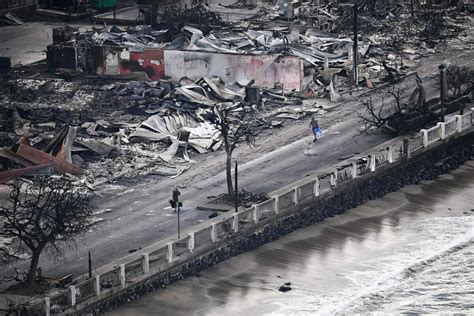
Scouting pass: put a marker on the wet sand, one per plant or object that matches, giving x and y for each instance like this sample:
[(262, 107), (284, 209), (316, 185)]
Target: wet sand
[(367, 260)]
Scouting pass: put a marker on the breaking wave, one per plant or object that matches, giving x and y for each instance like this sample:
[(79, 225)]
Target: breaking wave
[(383, 290)]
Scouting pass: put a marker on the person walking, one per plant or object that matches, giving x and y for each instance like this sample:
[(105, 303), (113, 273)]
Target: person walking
[(176, 199), (315, 128)]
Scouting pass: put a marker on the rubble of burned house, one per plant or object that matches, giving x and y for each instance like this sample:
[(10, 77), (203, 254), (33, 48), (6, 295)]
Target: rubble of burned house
[(98, 130), (127, 94), (312, 53)]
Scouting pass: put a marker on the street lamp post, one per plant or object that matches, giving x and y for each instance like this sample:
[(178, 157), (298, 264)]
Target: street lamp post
[(355, 58), (236, 188)]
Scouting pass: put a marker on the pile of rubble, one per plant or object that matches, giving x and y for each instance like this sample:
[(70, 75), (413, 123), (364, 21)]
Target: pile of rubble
[(389, 45), (97, 132), (267, 62)]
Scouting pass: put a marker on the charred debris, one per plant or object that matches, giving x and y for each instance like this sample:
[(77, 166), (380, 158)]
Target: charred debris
[(116, 101)]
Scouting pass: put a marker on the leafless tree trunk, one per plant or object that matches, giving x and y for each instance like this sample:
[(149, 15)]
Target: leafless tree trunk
[(47, 213), (235, 127)]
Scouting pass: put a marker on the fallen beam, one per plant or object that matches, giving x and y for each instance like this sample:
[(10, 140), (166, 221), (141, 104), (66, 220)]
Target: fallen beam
[(42, 158)]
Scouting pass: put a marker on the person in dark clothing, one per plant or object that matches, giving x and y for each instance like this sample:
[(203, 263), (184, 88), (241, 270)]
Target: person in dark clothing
[(315, 128), (176, 199)]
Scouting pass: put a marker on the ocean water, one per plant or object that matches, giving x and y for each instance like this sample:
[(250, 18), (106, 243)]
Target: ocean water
[(411, 251)]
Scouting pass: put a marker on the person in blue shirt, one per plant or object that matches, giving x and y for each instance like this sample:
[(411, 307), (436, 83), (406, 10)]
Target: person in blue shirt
[(315, 128)]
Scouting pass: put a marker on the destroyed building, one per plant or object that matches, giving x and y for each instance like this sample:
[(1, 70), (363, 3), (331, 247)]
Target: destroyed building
[(273, 59)]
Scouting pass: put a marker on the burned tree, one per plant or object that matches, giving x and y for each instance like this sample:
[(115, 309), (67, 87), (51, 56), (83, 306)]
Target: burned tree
[(45, 214), (383, 115), (460, 79), (398, 117), (236, 124)]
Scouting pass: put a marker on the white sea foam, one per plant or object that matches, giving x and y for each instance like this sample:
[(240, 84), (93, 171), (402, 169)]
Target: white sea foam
[(381, 291)]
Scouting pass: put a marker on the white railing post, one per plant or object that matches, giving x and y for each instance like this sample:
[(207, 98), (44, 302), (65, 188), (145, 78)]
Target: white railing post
[(191, 242), (295, 195), (169, 247), (316, 187), (458, 123), (97, 284), (146, 263), (276, 204), (372, 162), (235, 222), (333, 179), (442, 130), (122, 274), (213, 232), (255, 214), (424, 134), (354, 169), (72, 295), (390, 154), (47, 306)]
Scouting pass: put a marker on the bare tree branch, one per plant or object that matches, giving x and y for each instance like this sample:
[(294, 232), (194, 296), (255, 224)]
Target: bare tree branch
[(46, 214)]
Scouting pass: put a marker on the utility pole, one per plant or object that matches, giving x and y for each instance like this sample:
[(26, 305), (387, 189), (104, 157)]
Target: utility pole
[(236, 190), (90, 265), (355, 57), (444, 88), (179, 230)]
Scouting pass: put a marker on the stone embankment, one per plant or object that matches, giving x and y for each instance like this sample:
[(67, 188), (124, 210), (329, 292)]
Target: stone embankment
[(386, 168)]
